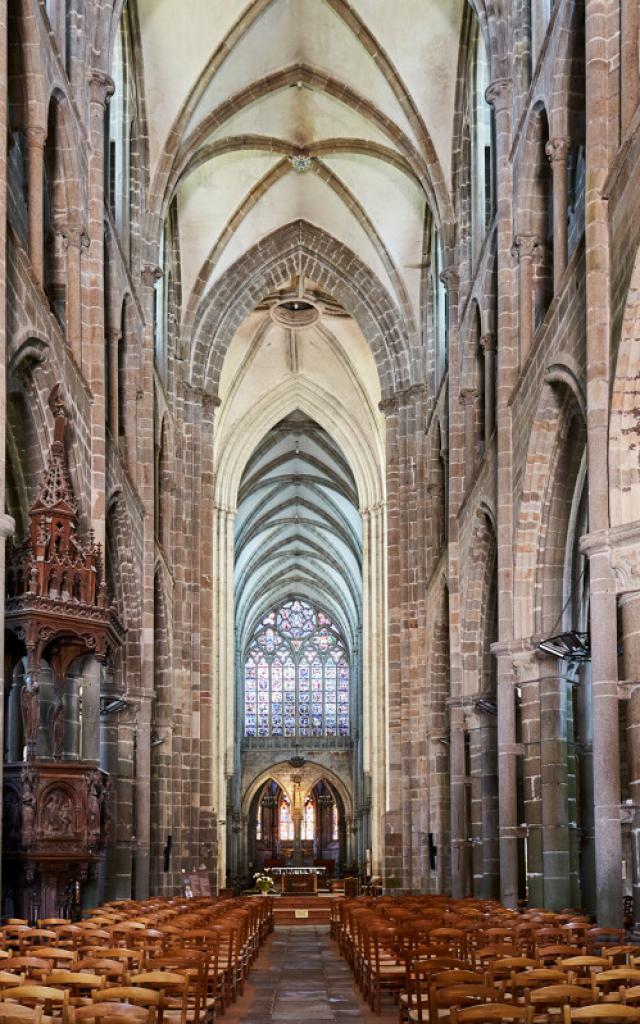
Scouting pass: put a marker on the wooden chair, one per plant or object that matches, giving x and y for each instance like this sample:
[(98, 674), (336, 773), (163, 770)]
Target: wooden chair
[(39, 995), (443, 999), (500, 970), (134, 994), (581, 968), (54, 955), (608, 983), (13, 1013), (519, 984), (489, 1012), (612, 1012), (113, 1013), (547, 1002), (30, 967), (173, 989), (80, 984)]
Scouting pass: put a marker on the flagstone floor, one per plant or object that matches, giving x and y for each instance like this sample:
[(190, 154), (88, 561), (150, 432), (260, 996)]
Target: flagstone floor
[(300, 978)]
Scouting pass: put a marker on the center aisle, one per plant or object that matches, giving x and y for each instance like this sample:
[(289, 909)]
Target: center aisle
[(300, 977)]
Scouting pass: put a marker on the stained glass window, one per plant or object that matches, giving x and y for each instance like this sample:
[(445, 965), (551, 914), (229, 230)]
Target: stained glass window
[(334, 827), (285, 827), (296, 675), (309, 820)]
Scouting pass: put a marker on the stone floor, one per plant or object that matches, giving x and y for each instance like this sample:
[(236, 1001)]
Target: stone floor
[(299, 978)]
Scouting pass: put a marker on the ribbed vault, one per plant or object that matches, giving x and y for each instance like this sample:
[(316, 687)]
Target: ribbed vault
[(298, 528)]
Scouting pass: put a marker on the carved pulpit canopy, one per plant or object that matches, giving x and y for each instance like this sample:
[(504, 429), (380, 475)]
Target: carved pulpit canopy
[(56, 595)]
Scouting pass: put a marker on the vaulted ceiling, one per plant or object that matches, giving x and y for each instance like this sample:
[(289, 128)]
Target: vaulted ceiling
[(262, 112), (298, 529)]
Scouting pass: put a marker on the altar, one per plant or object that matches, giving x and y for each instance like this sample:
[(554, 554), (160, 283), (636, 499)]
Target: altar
[(297, 881)]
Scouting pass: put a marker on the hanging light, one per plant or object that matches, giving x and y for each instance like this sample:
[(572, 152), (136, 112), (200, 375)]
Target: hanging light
[(572, 646)]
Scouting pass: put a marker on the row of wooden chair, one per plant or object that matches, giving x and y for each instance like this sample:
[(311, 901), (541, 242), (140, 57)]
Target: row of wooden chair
[(439, 957), (170, 961)]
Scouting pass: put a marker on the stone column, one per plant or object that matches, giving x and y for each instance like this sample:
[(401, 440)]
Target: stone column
[(468, 399), (526, 669), (554, 784), (524, 249), (606, 739), (113, 345), (557, 151), (508, 751), (74, 241), (630, 608), (488, 345), (460, 880), (629, 65), (36, 138)]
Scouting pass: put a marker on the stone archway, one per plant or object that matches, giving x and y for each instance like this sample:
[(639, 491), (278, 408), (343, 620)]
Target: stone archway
[(262, 843)]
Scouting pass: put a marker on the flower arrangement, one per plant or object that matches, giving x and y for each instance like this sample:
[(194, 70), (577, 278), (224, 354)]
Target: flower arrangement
[(263, 882)]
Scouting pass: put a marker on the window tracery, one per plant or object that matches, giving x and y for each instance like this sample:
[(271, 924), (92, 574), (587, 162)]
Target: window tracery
[(296, 675)]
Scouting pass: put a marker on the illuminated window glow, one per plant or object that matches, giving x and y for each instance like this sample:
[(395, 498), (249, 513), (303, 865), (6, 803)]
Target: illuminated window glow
[(296, 675)]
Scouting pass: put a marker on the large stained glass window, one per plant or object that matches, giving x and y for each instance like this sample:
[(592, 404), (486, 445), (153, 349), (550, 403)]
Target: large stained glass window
[(296, 675)]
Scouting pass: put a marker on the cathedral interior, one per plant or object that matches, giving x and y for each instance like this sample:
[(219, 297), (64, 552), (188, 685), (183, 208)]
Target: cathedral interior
[(320, 433)]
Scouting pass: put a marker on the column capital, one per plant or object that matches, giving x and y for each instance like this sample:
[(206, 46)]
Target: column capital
[(151, 273), (498, 93), (620, 545), (468, 395), (489, 342), (74, 235), (101, 86), (557, 150), (450, 278), (524, 247), (36, 137), (405, 396)]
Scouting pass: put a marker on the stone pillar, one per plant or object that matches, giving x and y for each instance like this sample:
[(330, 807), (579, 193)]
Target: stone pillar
[(606, 739), (113, 345), (508, 750), (526, 668), (142, 823), (630, 608), (557, 151), (74, 241), (488, 345), (524, 249), (500, 95), (554, 784), (629, 65), (36, 138), (460, 880), (468, 399)]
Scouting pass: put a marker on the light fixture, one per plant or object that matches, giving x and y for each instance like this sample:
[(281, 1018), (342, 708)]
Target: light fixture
[(157, 740), (486, 707), (572, 646), (110, 705)]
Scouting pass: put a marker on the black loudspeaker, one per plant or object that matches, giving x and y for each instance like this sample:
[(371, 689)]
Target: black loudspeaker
[(433, 852), (167, 853)]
